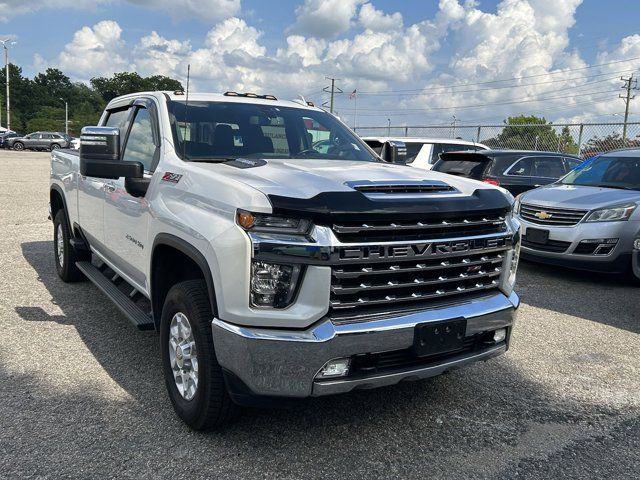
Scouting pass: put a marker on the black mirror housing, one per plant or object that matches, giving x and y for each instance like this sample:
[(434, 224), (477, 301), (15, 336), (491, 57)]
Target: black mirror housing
[(100, 155), (395, 151)]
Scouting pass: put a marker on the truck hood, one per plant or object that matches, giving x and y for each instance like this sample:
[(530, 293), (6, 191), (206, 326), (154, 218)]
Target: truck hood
[(324, 190), (579, 197), (306, 178)]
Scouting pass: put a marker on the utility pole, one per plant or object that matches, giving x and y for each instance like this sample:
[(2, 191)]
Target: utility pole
[(6, 44), (629, 84), (333, 90), (66, 116)]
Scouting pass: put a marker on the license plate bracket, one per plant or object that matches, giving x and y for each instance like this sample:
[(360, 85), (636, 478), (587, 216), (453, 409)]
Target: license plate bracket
[(537, 235), (439, 337)]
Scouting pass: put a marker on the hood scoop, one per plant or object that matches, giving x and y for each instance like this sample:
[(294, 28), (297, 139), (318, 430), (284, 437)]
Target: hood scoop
[(401, 188)]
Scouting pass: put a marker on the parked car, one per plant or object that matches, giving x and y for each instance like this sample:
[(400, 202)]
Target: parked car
[(516, 171), (39, 141), (423, 152), (5, 136), (273, 270), (587, 220)]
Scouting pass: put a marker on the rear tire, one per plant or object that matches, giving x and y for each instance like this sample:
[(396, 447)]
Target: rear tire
[(18, 146), (210, 405), (64, 254)]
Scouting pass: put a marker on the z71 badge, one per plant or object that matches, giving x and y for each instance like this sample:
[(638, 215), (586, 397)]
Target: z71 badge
[(171, 177)]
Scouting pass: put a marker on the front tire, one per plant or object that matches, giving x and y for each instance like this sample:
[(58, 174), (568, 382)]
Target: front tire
[(64, 254), (54, 146), (192, 374), (18, 146)]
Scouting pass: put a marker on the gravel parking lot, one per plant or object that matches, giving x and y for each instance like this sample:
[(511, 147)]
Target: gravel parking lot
[(83, 396)]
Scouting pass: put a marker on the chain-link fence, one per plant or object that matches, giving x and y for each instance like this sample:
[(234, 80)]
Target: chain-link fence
[(585, 140)]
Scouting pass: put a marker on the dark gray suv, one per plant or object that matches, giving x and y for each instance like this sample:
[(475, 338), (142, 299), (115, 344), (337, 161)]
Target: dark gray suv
[(40, 141)]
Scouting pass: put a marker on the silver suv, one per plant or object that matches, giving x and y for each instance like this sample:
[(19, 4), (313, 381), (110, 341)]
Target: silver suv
[(588, 219), (40, 141)]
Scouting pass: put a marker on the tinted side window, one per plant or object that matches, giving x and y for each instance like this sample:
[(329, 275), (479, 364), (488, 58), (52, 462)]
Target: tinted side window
[(413, 149), (140, 146), (118, 118), (571, 163), (522, 168), (549, 167)]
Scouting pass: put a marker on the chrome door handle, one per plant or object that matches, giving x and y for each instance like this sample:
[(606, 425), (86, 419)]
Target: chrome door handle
[(109, 187)]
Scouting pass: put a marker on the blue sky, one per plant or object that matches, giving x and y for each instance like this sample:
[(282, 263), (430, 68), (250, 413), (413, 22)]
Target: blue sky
[(427, 45)]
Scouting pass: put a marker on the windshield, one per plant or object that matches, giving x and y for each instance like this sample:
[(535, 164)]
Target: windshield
[(612, 172), (210, 131)]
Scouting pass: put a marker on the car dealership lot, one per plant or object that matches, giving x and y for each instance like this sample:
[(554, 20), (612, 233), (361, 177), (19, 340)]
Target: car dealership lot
[(565, 400)]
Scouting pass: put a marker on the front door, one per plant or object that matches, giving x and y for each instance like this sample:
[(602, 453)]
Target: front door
[(126, 218), (91, 191)]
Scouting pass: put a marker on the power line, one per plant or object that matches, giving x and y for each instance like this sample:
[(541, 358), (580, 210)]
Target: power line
[(416, 112), (517, 78), (510, 102), (438, 90)]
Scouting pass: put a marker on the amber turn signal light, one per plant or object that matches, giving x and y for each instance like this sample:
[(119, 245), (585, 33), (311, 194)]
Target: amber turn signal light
[(246, 220)]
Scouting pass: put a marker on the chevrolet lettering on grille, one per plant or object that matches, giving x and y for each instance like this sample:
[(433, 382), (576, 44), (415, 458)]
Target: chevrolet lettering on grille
[(421, 250)]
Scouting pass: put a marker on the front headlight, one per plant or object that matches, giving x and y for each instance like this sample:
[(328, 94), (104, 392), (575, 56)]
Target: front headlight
[(262, 222), (612, 214), (516, 204), (510, 266)]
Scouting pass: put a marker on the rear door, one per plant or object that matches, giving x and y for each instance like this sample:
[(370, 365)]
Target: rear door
[(517, 177), (547, 169)]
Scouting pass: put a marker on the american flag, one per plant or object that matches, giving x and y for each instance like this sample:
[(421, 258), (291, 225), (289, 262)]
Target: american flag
[(353, 94)]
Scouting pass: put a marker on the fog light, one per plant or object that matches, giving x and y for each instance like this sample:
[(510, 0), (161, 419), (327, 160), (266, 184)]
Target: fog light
[(500, 335), (335, 368), (273, 285), (636, 244)]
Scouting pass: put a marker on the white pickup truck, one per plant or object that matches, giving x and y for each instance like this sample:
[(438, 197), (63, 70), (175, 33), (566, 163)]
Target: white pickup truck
[(276, 254)]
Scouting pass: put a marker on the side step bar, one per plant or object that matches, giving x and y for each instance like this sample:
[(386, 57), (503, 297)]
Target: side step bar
[(138, 317)]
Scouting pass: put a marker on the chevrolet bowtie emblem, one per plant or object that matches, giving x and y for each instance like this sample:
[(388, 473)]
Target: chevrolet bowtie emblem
[(543, 215)]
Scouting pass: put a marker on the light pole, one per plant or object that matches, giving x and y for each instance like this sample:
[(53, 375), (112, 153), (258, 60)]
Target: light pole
[(6, 43), (66, 116)]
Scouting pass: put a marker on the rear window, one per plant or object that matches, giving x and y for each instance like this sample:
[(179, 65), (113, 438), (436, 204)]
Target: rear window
[(463, 165), (439, 148)]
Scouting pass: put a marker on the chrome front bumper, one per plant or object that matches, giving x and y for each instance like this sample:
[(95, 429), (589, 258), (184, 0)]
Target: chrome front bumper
[(284, 363)]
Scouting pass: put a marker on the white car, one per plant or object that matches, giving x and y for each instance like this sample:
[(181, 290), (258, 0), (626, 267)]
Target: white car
[(424, 152)]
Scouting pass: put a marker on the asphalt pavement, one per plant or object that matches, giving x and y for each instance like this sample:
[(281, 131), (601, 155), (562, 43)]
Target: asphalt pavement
[(82, 395)]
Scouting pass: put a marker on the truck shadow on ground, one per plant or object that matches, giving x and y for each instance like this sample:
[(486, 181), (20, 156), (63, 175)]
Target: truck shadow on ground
[(599, 297), (482, 407)]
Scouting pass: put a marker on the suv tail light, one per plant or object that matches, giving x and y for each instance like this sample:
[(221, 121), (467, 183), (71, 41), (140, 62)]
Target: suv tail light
[(492, 181)]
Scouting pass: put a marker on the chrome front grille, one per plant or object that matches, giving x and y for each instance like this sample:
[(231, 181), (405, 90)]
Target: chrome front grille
[(551, 216), (393, 285), (451, 227)]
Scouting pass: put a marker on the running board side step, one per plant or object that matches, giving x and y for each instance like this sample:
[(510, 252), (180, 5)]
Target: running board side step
[(134, 313)]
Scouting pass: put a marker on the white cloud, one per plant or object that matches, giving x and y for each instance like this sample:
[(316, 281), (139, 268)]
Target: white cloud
[(324, 18), (377, 20), (526, 41), (208, 10), (94, 51)]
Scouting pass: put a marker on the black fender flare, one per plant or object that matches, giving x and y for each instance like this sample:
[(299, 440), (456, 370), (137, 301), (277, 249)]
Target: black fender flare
[(56, 188), (194, 254)]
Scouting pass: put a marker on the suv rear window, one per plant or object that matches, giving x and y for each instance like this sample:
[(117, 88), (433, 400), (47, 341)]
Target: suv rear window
[(470, 165)]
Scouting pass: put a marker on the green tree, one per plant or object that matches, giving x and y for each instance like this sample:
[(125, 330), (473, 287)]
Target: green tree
[(130, 82), (47, 118), (526, 132), (566, 143)]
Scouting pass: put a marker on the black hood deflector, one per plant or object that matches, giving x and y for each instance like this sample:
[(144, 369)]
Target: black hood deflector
[(329, 207)]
